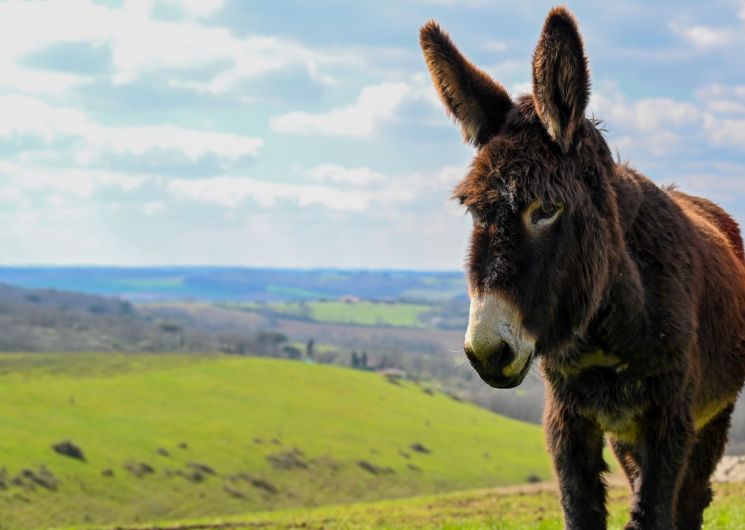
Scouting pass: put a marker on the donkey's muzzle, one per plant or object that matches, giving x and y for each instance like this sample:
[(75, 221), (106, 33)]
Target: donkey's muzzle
[(491, 366)]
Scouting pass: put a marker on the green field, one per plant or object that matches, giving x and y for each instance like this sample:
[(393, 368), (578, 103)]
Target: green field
[(363, 313), (175, 437), (518, 508)]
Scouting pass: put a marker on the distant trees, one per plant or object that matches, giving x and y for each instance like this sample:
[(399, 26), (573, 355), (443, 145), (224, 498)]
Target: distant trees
[(268, 343), (359, 361), (292, 352)]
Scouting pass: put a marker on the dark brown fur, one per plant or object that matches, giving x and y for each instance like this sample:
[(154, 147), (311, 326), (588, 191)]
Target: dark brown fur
[(646, 275)]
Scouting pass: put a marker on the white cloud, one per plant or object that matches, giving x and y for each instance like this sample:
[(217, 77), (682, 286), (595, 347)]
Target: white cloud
[(725, 132), (153, 208), (192, 143), (77, 182), (229, 192), (495, 46), (717, 90), (339, 174), (723, 99), (660, 126), (510, 69), (140, 44), (36, 81), (27, 115), (649, 125), (723, 106), (522, 88), (374, 104), (197, 8), (358, 189), (703, 36)]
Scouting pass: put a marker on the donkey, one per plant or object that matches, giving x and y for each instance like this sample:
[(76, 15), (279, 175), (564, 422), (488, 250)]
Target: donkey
[(631, 295)]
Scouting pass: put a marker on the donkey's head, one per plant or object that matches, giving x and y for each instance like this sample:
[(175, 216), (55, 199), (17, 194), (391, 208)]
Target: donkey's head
[(545, 223)]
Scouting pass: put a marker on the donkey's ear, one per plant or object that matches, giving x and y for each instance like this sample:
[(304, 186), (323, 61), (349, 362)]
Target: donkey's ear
[(561, 78), (470, 95)]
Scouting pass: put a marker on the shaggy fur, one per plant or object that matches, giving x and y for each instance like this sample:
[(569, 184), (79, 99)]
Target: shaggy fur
[(636, 293)]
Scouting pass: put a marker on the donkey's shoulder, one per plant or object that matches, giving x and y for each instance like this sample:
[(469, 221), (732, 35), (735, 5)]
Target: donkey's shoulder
[(714, 214), (638, 195)]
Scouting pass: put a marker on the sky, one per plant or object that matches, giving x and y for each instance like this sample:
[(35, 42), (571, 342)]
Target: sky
[(307, 134)]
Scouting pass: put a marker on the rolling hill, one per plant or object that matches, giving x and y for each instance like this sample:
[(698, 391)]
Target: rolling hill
[(166, 437)]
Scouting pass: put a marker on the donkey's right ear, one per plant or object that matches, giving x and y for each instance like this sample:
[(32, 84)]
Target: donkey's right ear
[(470, 95)]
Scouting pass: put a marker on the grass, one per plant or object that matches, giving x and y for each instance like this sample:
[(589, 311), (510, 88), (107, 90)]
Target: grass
[(273, 434), (362, 313), (513, 508)]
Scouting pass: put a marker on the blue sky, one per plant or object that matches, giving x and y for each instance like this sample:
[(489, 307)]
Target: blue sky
[(307, 134)]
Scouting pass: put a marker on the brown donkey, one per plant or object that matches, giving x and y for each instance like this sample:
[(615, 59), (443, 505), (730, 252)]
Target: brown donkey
[(631, 295)]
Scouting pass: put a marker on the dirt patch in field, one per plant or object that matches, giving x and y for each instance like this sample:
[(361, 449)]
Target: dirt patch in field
[(287, 460), (193, 472), (374, 469), (30, 479), (238, 494), (420, 448), (139, 469), (256, 482), (201, 468)]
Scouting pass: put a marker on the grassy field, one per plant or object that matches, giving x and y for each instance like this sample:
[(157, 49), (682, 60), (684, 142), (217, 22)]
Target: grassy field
[(362, 313), (513, 508), (174, 437)]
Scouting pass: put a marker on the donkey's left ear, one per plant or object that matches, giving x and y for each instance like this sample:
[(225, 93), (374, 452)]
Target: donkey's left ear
[(561, 77)]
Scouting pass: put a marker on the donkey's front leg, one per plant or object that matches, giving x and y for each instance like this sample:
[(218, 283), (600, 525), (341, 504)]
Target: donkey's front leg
[(665, 439), (576, 445)]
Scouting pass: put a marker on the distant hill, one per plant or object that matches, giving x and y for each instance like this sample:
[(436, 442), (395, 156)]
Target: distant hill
[(179, 436), (47, 319), (240, 284)]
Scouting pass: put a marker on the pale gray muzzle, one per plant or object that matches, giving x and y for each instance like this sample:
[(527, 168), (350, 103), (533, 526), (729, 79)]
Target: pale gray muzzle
[(493, 321)]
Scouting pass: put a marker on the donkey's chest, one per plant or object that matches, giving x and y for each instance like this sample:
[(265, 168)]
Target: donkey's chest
[(622, 424), (606, 391), (616, 407)]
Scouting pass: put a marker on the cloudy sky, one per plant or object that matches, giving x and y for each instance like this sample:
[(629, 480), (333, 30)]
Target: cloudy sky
[(306, 134)]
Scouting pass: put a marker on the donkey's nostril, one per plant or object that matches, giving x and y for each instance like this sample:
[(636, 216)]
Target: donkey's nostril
[(502, 356), (494, 356)]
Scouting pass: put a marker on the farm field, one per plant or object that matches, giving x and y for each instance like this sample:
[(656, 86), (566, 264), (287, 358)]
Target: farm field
[(176, 437), (511, 508), (366, 313)]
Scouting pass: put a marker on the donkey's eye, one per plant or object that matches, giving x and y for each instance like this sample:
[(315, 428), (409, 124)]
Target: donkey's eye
[(544, 213)]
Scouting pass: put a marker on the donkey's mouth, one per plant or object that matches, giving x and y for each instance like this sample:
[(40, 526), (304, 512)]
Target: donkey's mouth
[(491, 370)]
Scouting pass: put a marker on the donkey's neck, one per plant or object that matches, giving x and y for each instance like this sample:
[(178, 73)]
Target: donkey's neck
[(621, 325)]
